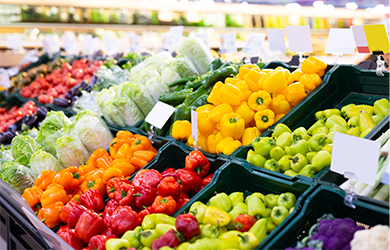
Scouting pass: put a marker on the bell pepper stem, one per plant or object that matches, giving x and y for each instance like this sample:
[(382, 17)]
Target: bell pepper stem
[(294, 159), (259, 101), (264, 118), (233, 120), (123, 194), (137, 195), (244, 238), (164, 201)]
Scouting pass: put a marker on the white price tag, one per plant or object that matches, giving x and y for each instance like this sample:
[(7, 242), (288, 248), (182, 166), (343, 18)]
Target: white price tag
[(4, 78), (360, 39), (386, 176), (14, 42), (277, 40), (51, 45), (253, 43), (177, 31), (356, 156), (299, 39), (167, 41), (194, 125), (340, 42), (91, 47), (87, 42), (204, 38), (68, 43), (160, 114), (134, 41), (227, 43), (112, 45)]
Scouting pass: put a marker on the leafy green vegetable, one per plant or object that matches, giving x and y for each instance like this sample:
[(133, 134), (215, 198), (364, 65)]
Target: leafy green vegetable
[(23, 147), (144, 76), (156, 87), (138, 95), (168, 76), (183, 66), (41, 161), (5, 155), (106, 95), (158, 62), (128, 111), (16, 176), (70, 151)]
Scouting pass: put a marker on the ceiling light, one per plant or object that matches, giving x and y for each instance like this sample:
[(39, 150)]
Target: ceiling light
[(210, 3), (318, 4), (228, 1), (244, 4), (351, 5), (293, 6)]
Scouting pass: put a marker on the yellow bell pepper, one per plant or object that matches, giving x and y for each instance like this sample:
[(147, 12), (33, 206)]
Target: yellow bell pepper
[(252, 85), (286, 72), (212, 142), (259, 100), (262, 79), (280, 105), (213, 96), (264, 119), (216, 217), (249, 135), (312, 65), (294, 76), (310, 81), (181, 130), (203, 111), (277, 117), (232, 80), (246, 113), (275, 82), (227, 146), (241, 85), (216, 114), (245, 69), (230, 94), (232, 125), (206, 126), (294, 93), (201, 144)]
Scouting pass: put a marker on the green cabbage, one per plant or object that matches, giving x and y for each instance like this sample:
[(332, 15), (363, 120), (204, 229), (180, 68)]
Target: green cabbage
[(5, 155), (106, 95), (194, 48), (23, 147), (156, 87), (41, 161), (16, 176), (158, 62), (112, 110), (128, 111), (138, 95), (51, 129), (168, 76), (70, 151), (145, 75), (183, 66)]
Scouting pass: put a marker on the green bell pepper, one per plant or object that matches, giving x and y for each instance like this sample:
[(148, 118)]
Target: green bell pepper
[(259, 229), (317, 142), (280, 129), (145, 248), (232, 237), (354, 111), (298, 161), (377, 118), (310, 155), (277, 153), (248, 241), (365, 132), (320, 130), (354, 131), (239, 208), (182, 112), (298, 147), (291, 173), (204, 244), (117, 244), (329, 112), (133, 238), (255, 141), (353, 122), (337, 128), (236, 197), (345, 108), (221, 201), (335, 120), (299, 134), (271, 200), (255, 159), (147, 237), (381, 107), (264, 146), (307, 171), (152, 220), (211, 232), (318, 124), (258, 194), (284, 140), (256, 207), (163, 228), (285, 163), (365, 121), (272, 165), (321, 160), (183, 246), (198, 209), (279, 213), (320, 115), (270, 225), (328, 147)]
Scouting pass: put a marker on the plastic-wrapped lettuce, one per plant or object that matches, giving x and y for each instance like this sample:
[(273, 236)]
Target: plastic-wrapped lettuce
[(51, 130), (168, 76), (128, 111), (16, 176), (23, 147), (41, 161), (145, 75), (5, 155), (156, 87), (86, 101), (112, 110), (138, 95), (91, 129), (158, 62), (183, 66), (106, 95), (194, 48), (71, 151)]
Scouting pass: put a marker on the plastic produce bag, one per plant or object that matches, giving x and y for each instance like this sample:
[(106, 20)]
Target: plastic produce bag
[(193, 48), (106, 95), (128, 111), (169, 76), (145, 75), (156, 87), (111, 110), (16, 176), (183, 66), (41, 161), (158, 62), (5, 155), (23, 147), (138, 95), (87, 101), (71, 151)]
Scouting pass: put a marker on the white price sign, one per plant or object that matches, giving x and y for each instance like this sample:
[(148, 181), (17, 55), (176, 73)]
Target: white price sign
[(227, 43), (14, 42), (204, 38), (299, 39), (160, 114), (134, 41), (51, 45), (177, 31), (340, 42), (167, 41), (253, 43), (112, 44), (68, 43), (194, 125), (4, 78), (277, 40), (90, 44)]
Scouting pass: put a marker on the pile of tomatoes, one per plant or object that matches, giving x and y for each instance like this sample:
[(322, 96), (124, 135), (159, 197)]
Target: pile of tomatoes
[(9, 117), (58, 82)]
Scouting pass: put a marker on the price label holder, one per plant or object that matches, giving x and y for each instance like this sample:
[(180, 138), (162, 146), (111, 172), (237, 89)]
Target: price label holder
[(15, 43), (194, 128), (299, 40), (51, 238), (252, 45), (158, 116), (277, 41), (340, 42), (355, 158), (134, 41), (4, 78), (228, 43), (204, 38), (177, 31), (69, 44), (167, 41)]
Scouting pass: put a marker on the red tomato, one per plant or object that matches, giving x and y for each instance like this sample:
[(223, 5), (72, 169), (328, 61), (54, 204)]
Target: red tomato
[(57, 80), (49, 77), (66, 67), (87, 77)]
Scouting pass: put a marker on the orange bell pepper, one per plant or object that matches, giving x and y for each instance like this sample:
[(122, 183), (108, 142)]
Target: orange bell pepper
[(32, 195), (53, 193), (138, 163), (98, 153), (111, 173), (123, 151), (76, 197), (69, 178), (44, 179), (87, 167), (93, 182), (124, 165), (124, 137), (113, 147), (140, 143), (144, 155), (50, 215), (104, 162)]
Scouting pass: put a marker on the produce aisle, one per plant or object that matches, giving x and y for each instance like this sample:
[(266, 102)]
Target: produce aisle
[(85, 162)]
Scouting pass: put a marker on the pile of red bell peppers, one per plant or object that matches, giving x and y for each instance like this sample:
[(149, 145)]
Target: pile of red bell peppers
[(92, 223)]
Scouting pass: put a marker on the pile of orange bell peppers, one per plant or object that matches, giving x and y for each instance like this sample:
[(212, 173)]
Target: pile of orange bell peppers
[(128, 153)]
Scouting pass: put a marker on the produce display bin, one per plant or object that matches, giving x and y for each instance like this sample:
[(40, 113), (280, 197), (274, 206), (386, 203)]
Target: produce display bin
[(322, 201), (238, 177)]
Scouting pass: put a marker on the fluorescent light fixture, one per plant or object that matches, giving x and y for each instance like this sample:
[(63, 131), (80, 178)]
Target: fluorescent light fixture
[(293, 6), (244, 4), (318, 4), (228, 1), (351, 5)]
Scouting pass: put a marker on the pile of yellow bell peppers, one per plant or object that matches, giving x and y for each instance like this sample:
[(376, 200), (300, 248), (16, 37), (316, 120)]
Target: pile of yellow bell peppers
[(248, 104)]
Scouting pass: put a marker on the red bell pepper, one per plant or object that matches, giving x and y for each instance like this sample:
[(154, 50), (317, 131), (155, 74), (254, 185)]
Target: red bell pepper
[(145, 196), (75, 214), (164, 205), (244, 222), (115, 184), (124, 219), (108, 211), (152, 178), (67, 234), (138, 178), (189, 181), (65, 210), (146, 211), (169, 186), (207, 180), (197, 162), (98, 242), (170, 239), (188, 225), (170, 172), (92, 199), (125, 195), (89, 224), (109, 233), (181, 202)]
